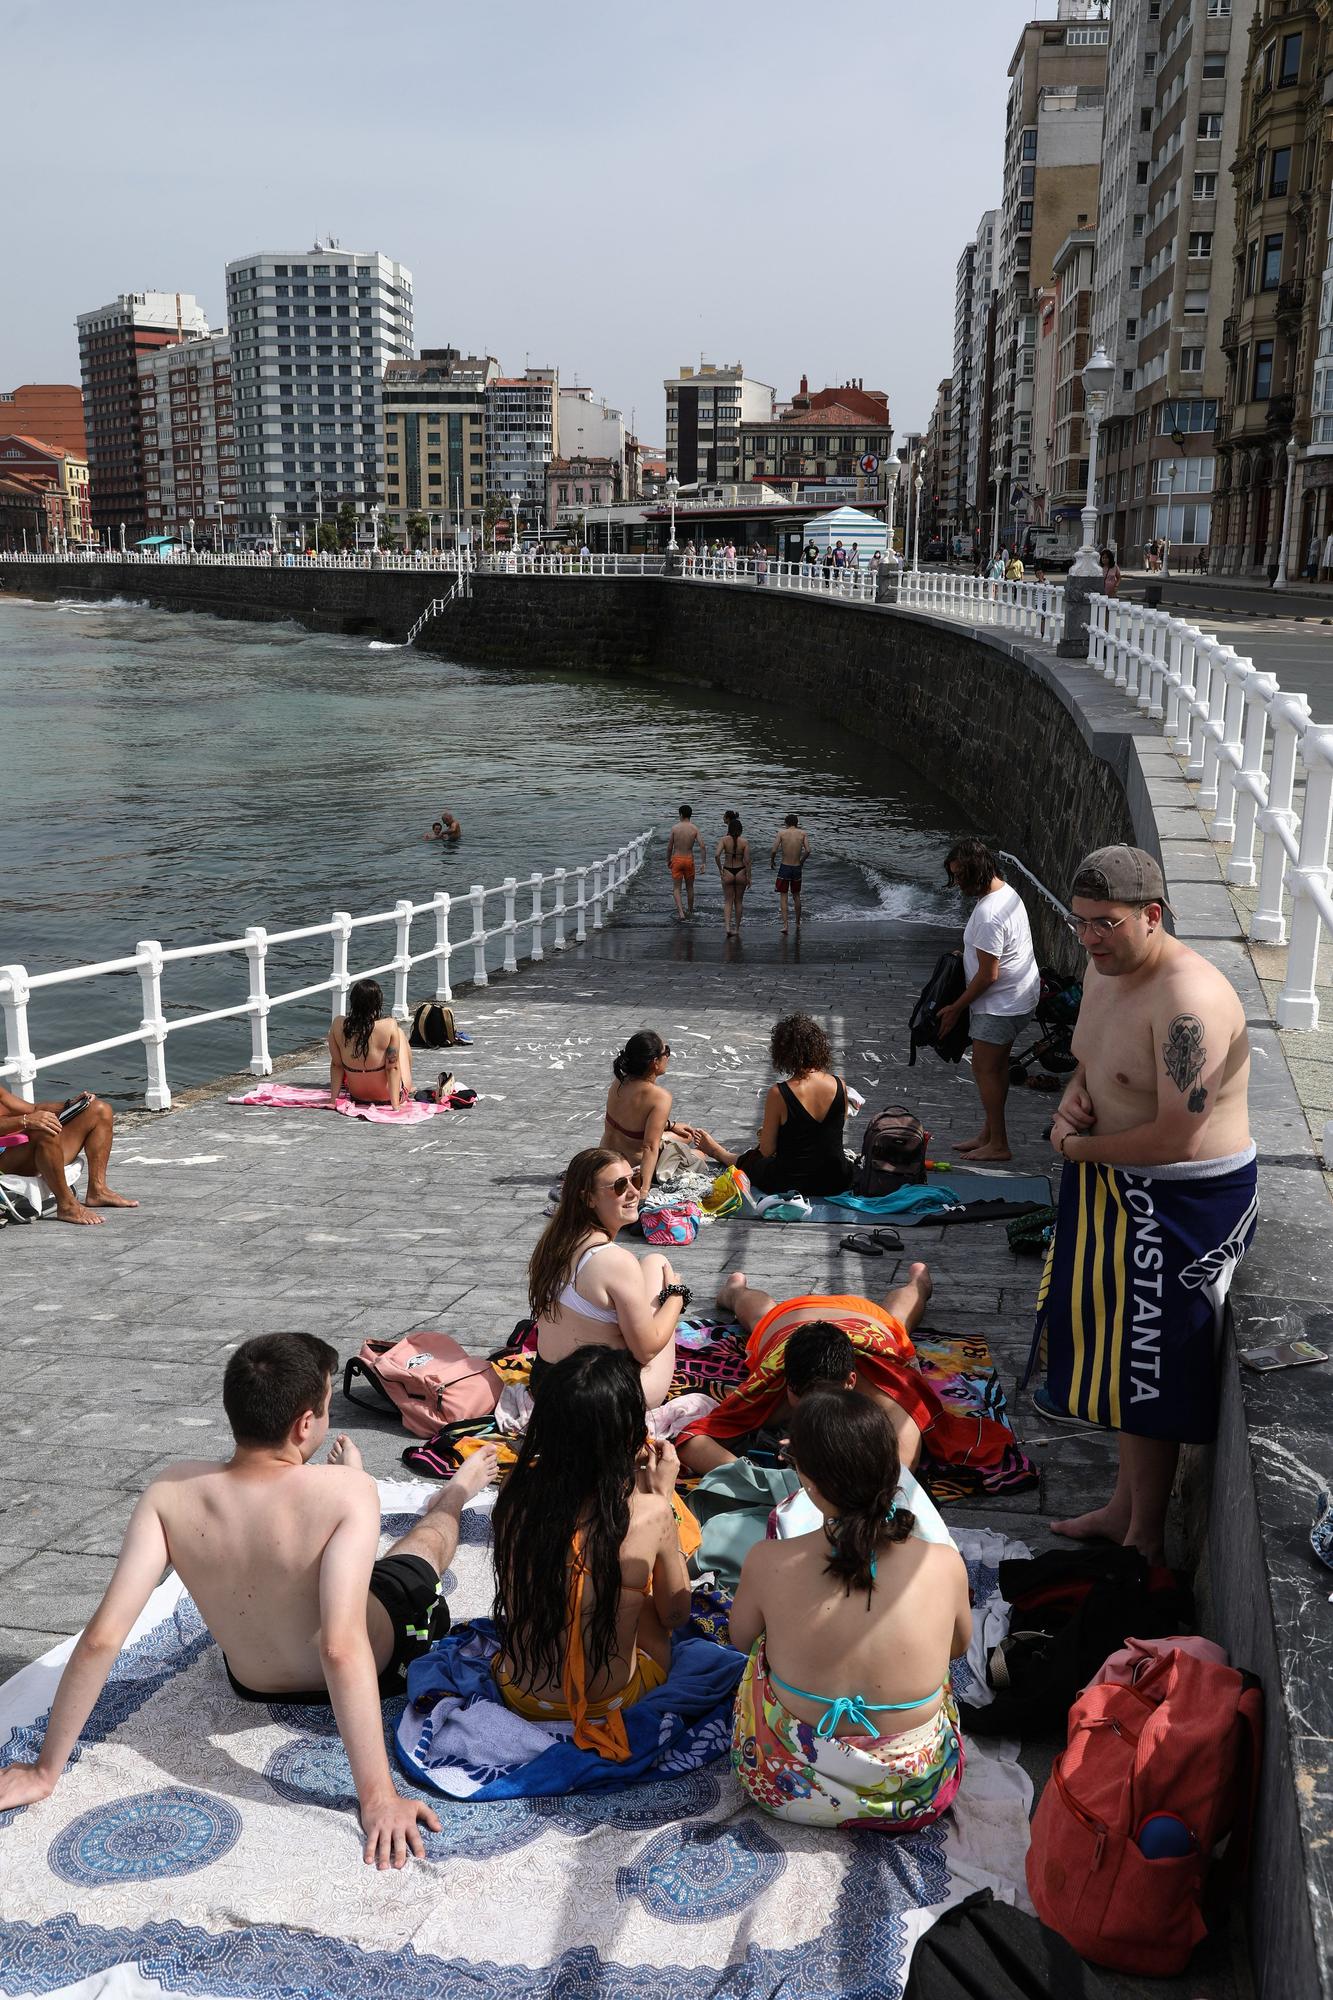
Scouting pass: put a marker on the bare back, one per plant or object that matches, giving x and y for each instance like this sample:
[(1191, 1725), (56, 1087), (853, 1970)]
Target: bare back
[(367, 1076), (792, 845), (684, 834)]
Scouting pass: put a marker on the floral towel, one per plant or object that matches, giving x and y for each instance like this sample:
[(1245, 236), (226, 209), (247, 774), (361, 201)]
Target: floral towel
[(962, 1373)]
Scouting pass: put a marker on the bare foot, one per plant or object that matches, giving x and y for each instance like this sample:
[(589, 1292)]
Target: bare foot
[(989, 1152), (105, 1197), (343, 1452), (1102, 1525), (971, 1145), (729, 1291), (476, 1472), (76, 1212)]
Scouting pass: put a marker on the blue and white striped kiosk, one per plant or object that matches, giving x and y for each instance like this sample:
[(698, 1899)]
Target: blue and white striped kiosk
[(848, 525)]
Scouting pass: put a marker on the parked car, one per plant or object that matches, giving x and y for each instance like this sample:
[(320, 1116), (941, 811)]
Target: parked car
[(936, 549)]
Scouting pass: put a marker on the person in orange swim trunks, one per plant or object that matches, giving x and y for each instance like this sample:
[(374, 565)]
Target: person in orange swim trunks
[(681, 843)]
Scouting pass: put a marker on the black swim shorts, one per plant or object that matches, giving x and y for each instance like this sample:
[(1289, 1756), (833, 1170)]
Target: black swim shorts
[(413, 1595)]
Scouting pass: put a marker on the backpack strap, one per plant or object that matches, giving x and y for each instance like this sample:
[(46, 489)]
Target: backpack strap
[(355, 1367)]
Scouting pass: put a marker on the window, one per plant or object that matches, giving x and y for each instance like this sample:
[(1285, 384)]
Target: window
[(1291, 60), (1127, 378), (1135, 274), (1196, 304), (1272, 264), (1139, 220), (1210, 124), (1280, 173), (1201, 243), (1149, 63), (1187, 413), (1025, 215), (1145, 118), (1205, 187), (1191, 361), (1030, 144), (1260, 162), (1027, 182), (1251, 268), (1215, 63), (1217, 8), (1189, 523), (1261, 387), (1131, 329)]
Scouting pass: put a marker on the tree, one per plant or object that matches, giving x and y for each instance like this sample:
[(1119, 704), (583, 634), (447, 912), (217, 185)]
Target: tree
[(418, 529), (329, 542), (346, 529)]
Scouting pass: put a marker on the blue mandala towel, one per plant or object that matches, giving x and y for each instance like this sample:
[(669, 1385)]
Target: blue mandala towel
[(456, 1735)]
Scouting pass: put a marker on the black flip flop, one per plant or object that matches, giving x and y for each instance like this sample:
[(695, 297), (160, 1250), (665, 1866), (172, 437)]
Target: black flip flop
[(863, 1243), (887, 1239)]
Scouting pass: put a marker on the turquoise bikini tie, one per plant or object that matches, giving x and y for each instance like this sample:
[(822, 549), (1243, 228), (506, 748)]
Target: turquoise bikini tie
[(847, 1708)]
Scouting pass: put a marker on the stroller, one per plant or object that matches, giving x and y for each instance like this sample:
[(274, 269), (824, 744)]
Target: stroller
[(1049, 1056)]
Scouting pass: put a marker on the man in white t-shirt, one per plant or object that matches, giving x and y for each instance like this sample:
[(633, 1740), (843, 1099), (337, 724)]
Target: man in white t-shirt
[(1002, 989)]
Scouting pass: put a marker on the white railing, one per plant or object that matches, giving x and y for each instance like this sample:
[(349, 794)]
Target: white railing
[(1035, 609), (594, 887), (436, 606), (856, 582), (1244, 740)]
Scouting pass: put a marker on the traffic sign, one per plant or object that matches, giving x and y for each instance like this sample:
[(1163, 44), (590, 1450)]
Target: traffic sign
[(869, 463)]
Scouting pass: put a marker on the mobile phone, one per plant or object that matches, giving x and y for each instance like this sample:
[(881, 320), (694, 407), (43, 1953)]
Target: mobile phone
[(74, 1107), (1283, 1354)]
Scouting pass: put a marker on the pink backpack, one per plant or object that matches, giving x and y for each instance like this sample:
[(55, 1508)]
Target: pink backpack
[(427, 1378)]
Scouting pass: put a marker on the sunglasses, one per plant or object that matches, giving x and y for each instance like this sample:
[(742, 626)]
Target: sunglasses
[(623, 1182)]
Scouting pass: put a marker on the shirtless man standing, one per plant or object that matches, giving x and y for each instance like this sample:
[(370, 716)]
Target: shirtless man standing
[(681, 843), (279, 1556), (792, 845), (1157, 1198)]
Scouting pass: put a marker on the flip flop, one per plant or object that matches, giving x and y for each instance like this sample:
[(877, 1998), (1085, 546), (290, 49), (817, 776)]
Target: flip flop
[(863, 1243), (887, 1239)]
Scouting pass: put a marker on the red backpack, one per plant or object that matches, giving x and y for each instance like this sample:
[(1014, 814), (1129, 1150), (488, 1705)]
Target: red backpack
[(1184, 1739)]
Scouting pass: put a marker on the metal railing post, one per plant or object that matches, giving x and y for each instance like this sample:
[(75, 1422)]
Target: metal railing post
[(597, 895), (444, 991), (1205, 665), (1230, 750), (510, 924), (1298, 1003), (558, 942), (1259, 693), (402, 956), (18, 1050), (1290, 717), (581, 907), (256, 952), (477, 897), (153, 1026), (537, 915), (342, 938), (1212, 729)]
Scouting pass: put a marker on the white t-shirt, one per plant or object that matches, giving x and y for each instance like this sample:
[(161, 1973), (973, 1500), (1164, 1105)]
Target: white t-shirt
[(999, 925)]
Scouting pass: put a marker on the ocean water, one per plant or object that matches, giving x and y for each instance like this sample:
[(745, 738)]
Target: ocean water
[(181, 778)]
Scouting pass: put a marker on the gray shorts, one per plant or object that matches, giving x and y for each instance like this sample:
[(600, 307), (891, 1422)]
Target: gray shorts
[(1002, 1029)]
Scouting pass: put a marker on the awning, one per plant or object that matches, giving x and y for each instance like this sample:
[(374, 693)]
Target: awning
[(156, 541)]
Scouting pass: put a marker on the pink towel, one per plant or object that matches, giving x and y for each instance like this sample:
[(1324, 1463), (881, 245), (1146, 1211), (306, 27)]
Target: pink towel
[(293, 1097)]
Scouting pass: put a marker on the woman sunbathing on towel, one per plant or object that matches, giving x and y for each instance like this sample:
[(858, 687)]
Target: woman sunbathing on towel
[(368, 1052), (638, 1113), (845, 1716), (590, 1581)]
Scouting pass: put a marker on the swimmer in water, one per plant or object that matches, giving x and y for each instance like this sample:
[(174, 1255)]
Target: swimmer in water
[(452, 827), (436, 831)]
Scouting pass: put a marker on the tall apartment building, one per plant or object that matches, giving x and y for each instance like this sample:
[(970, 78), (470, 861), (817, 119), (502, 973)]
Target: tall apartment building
[(435, 412), (705, 408), (587, 427), (1052, 154), (312, 332), (113, 341), (1122, 207), (936, 517), (1279, 335), (964, 314), (1066, 428), (1157, 461), (49, 410), (189, 440), (521, 439), (980, 365)]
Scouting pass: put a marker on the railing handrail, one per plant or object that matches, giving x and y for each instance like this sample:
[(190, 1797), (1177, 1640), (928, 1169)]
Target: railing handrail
[(609, 874), (1037, 610), (1243, 737)]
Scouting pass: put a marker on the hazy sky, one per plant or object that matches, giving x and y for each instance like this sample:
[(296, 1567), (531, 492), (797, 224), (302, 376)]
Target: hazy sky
[(612, 188)]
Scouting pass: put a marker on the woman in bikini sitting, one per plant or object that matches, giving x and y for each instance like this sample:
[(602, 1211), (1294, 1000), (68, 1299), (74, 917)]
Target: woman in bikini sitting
[(867, 1615), (638, 1114), (733, 865), (590, 1581), (368, 1051)]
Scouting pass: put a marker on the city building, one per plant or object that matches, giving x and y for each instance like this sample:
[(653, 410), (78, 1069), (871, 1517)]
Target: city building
[(705, 408), (828, 444), (435, 412), (1122, 203), (937, 518), (578, 488), (312, 332), (964, 317), (189, 441), (1064, 423), (113, 341), (977, 488), (1157, 453), (521, 439), (54, 472), (1052, 153), (25, 522), (587, 427), (52, 411), (1278, 337)]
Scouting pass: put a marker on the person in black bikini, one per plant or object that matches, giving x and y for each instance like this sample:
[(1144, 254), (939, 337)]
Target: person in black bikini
[(733, 865)]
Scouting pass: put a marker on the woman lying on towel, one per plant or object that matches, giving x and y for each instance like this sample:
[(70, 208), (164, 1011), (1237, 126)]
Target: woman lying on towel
[(368, 1052), (590, 1581), (638, 1114), (845, 1715)]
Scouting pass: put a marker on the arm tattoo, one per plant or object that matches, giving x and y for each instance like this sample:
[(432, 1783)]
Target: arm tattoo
[(1184, 1055)]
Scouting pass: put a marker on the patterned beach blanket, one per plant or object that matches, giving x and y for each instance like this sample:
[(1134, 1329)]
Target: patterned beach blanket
[(963, 1374), (202, 1847)]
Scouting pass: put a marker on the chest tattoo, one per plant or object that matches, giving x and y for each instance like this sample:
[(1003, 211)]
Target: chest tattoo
[(1184, 1055)]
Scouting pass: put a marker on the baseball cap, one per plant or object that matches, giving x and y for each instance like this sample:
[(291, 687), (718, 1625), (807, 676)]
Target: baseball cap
[(1120, 875)]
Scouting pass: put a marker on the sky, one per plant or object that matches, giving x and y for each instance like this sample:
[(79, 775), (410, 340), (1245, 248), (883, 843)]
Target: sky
[(613, 187)]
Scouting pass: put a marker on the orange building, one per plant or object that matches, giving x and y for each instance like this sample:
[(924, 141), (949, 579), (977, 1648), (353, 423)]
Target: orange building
[(52, 411)]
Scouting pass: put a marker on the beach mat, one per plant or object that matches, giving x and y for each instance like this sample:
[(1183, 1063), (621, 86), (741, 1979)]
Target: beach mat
[(204, 1846)]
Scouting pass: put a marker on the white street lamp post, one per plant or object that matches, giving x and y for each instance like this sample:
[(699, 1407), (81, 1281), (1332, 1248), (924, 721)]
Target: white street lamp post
[(1280, 580), (273, 534), (191, 534), (893, 505), (514, 503), (319, 522), (917, 484), (672, 488), (122, 538), (434, 529), (1172, 474), (375, 526), (1098, 378)]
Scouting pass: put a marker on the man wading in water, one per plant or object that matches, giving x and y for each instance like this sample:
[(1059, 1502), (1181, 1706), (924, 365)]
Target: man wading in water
[(1157, 1196), (791, 844), (681, 843)]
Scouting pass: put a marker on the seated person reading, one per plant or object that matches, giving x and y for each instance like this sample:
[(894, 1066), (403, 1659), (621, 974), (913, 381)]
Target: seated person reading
[(638, 1114), (845, 1716), (369, 1055), (590, 1581), (34, 1141), (279, 1556)]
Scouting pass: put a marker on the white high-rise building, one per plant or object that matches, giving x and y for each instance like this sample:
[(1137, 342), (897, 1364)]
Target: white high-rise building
[(705, 408), (1127, 139), (975, 499), (588, 427), (311, 334)]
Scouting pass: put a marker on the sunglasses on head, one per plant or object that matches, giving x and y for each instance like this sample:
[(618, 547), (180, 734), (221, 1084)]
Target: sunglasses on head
[(623, 1182)]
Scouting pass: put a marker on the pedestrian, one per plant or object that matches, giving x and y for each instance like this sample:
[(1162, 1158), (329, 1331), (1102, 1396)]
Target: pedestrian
[(1157, 1201), (1110, 573), (733, 865), (1312, 559), (793, 845), (1003, 987), (681, 843), (1013, 572), (999, 566), (760, 563), (1328, 555)]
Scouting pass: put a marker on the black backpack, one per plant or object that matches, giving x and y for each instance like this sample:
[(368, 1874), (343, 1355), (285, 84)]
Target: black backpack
[(944, 986), (893, 1152), (433, 1027), (984, 1950)]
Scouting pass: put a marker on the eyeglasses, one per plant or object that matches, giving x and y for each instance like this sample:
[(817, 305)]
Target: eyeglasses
[(666, 1048), (1098, 927), (622, 1182)]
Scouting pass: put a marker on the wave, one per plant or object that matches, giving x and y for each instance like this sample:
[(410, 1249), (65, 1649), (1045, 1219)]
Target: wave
[(384, 646), (104, 604), (892, 901)]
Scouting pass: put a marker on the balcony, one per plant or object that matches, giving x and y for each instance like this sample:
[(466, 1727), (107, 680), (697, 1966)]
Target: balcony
[(1230, 337), (1280, 414), (1290, 299)]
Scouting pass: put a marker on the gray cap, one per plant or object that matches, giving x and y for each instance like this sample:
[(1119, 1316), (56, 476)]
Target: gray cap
[(1120, 875)]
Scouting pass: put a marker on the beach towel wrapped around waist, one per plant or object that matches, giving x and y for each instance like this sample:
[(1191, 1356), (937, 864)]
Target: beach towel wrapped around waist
[(1131, 1301)]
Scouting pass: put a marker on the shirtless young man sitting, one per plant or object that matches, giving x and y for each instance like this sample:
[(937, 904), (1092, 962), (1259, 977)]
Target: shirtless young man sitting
[(682, 840), (35, 1142), (279, 1556), (1157, 1199), (789, 853)]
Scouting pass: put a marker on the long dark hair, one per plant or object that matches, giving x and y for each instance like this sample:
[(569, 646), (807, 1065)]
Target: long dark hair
[(365, 1005), (552, 1262), (847, 1447), (977, 867), (574, 1476), (638, 1055)]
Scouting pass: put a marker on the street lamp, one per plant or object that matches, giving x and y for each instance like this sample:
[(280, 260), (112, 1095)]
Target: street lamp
[(192, 534), (375, 526), (434, 530), (513, 502), (319, 522), (1098, 378), (122, 538), (672, 489), (222, 530), (273, 534), (917, 484), (1280, 580), (1172, 474)]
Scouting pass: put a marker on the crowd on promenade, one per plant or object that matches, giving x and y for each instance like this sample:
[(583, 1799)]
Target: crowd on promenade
[(848, 1619)]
